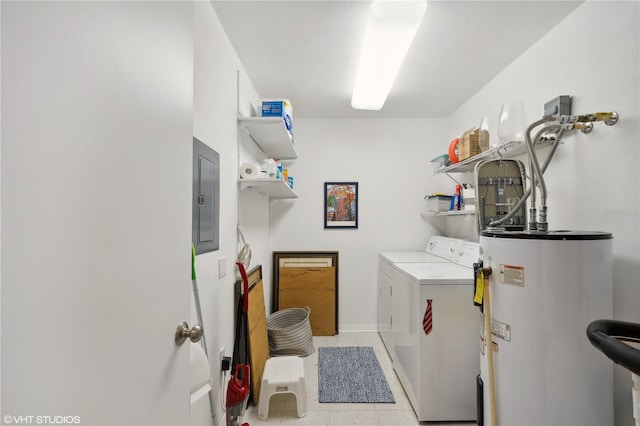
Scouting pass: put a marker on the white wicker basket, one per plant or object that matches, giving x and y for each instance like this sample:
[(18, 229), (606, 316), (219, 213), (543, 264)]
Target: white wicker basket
[(290, 332)]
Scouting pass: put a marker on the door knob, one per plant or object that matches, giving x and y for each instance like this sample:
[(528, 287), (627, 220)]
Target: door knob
[(183, 332)]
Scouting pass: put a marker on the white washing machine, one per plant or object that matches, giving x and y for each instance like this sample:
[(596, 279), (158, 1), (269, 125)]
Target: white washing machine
[(438, 250), (438, 365)]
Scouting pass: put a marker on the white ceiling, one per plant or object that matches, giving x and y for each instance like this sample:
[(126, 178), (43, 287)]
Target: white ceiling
[(307, 51)]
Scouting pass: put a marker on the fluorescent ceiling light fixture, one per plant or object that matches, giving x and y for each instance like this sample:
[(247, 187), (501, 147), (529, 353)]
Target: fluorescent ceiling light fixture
[(391, 27)]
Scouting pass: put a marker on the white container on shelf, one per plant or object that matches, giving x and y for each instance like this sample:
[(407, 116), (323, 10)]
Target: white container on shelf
[(269, 169), (469, 197), (440, 162), (437, 203)]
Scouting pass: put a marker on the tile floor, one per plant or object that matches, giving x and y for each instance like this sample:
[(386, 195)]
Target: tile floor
[(282, 408)]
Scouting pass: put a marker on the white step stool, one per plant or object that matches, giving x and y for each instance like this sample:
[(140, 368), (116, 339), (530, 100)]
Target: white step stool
[(283, 374)]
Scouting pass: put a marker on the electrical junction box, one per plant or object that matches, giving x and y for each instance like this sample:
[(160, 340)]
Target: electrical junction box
[(558, 106), (206, 198)]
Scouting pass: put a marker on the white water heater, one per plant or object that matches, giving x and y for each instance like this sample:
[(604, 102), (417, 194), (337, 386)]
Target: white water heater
[(544, 290)]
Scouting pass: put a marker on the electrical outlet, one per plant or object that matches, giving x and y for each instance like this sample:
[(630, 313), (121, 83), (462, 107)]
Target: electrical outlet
[(221, 357), (225, 361)]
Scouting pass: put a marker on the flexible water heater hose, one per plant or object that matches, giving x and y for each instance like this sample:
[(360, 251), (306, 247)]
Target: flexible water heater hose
[(531, 190)]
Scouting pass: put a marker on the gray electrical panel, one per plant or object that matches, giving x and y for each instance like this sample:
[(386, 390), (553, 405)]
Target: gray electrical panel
[(206, 198)]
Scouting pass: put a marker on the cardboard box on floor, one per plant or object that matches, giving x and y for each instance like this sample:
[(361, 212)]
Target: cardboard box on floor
[(258, 335)]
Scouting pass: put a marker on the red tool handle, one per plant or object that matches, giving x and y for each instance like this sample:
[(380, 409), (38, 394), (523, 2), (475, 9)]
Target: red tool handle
[(238, 388), (244, 369)]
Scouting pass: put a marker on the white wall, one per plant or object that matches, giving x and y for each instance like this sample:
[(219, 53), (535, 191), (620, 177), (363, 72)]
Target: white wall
[(216, 73), (389, 158), (222, 90), (593, 180), (593, 55)]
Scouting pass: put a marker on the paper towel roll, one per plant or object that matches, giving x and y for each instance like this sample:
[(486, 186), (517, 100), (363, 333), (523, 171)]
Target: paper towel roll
[(250, 171)]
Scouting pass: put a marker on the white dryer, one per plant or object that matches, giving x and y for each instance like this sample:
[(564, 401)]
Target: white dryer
[(438, 250), (435, 343)]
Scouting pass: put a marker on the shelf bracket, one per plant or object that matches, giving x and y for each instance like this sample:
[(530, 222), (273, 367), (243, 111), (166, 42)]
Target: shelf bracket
[(451, 177)]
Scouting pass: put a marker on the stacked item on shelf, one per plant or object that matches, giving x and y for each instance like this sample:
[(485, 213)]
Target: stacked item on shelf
[(440, 162), (272, 133), (462, 199), (468, 144), (437, 202), (270, 169), (279, 108), (461, 148)]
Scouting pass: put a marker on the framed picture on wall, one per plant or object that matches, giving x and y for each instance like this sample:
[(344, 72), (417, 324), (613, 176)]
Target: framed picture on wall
[(340, 205)]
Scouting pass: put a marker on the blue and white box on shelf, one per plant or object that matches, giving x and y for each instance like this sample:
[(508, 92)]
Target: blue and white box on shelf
[(278, 108)]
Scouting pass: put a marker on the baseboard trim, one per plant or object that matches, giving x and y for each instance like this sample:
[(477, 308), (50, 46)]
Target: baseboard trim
[(358, 328)]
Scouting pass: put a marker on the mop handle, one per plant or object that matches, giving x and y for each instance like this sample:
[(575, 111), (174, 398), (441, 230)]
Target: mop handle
[(489, 343), (245, 286)]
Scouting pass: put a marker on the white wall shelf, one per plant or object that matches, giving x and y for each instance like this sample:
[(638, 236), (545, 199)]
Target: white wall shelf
[(448, 213), (508, 150), (275, 189), (455, 223), (271, 135)]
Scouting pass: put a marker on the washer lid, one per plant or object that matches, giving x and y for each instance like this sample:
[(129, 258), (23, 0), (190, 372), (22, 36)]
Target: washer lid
[(411, 257), (436, 273)]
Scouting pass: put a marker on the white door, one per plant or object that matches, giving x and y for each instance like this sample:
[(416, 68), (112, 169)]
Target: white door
[(96, 214)]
